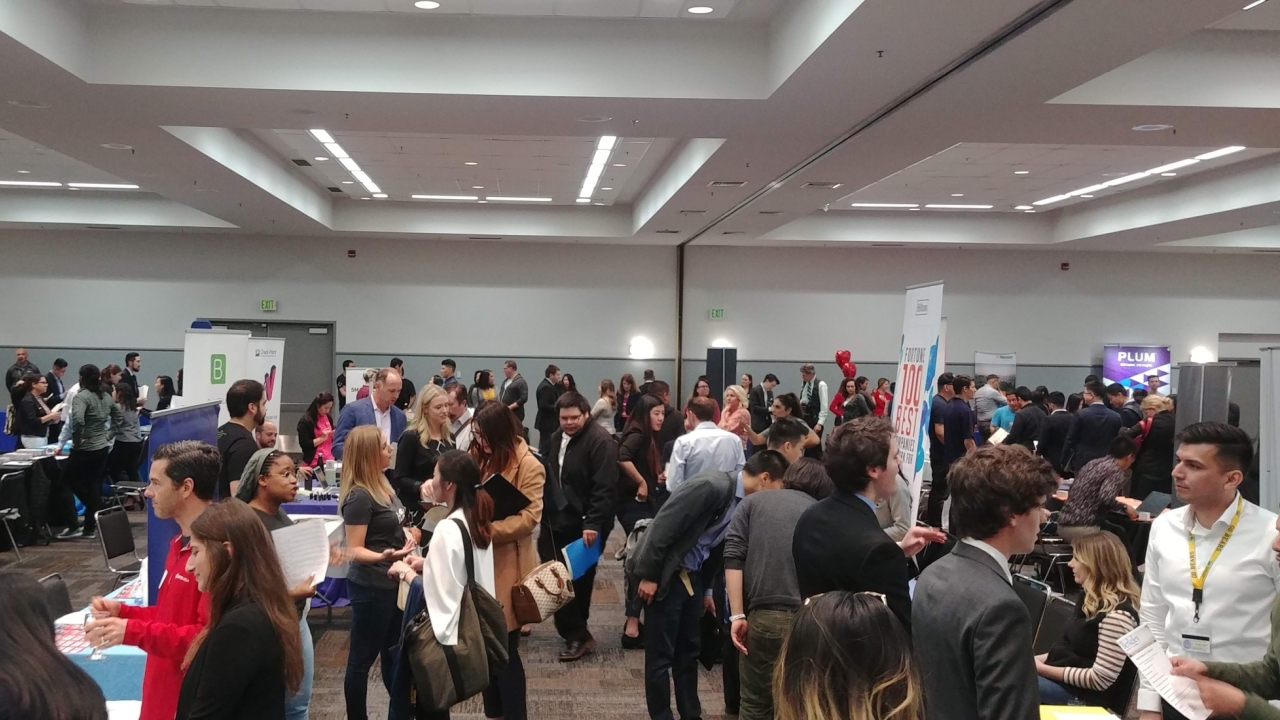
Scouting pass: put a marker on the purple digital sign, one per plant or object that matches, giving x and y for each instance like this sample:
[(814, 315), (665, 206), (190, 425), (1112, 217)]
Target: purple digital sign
[(1137, 366)]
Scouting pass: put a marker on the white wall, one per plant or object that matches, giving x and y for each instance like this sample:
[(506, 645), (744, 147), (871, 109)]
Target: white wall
[(487, 299)]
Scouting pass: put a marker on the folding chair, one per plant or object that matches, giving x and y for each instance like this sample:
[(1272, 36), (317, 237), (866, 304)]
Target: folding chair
[(117, 542), (56, 595), (7, 514)]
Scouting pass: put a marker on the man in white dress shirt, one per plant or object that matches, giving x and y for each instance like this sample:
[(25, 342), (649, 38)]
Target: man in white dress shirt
[(1211, 577), (460, 416), (706, 447), (815, 405)]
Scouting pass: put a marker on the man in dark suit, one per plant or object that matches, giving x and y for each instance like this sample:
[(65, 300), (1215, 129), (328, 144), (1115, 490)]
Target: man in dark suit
[(838, 543), (546, 421), (132, 366), (584, 470), (1054, 431), (515, 391), (378, 408), (56, 391), (1129, 410), (972, 634), (759, 402), (1027, 421), (1095, 427)]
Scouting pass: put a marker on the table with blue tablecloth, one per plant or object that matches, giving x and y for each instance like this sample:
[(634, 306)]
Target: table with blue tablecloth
[(119, 673)]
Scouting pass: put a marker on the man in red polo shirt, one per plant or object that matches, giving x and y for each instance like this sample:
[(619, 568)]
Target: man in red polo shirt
[(184, 476)]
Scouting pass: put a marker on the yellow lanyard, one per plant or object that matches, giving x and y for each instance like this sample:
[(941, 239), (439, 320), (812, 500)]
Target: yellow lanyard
[(1197, 581)]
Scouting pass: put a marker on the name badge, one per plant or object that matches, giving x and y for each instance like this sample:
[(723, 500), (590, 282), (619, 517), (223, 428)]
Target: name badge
[(1196, 644)]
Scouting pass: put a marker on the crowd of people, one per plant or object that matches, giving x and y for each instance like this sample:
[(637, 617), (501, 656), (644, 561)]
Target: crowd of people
[(781, 521)]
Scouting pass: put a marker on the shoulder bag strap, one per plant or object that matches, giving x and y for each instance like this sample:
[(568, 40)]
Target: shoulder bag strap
[(468, 550)]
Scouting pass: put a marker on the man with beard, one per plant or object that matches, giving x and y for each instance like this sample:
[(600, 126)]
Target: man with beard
[(246, 404)]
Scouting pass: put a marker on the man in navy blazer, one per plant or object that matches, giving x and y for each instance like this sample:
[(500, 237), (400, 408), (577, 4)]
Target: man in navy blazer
[(377, 409), (1095, 427)]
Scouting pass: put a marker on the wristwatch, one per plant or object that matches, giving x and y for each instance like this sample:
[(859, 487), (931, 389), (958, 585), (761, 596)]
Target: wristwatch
[(736, 618)]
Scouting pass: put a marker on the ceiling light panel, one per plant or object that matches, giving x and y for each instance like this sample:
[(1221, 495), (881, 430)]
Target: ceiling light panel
[(1055, 175), (24, 160), (405, 164)]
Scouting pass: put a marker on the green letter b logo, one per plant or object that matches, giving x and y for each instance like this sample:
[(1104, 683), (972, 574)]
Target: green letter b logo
[(217, 369)]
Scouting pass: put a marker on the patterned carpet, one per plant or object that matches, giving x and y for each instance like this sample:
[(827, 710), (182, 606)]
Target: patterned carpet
[(606, 685)]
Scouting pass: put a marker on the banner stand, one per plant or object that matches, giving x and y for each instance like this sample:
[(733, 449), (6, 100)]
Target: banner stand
[(1269, 431), (194, 422), (918, 364)]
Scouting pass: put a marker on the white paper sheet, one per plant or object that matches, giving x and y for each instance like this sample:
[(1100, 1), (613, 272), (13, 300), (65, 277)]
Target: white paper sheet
[(304, 551), (1153, 664), (998, 437), (124, 709)]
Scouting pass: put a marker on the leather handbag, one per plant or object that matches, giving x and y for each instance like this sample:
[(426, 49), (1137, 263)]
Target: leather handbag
[(542, 592), (445, 675)]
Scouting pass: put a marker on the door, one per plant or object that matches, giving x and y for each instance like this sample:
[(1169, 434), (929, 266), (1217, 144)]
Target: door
[(309, 349)]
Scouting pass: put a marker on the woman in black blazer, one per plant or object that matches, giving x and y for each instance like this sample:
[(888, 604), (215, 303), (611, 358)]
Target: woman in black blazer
[(428, 436), (248, 659), (1153, 466), (627, 397)]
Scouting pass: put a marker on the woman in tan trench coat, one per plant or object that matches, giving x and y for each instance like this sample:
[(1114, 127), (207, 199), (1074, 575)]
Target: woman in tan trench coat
[(498, 448)]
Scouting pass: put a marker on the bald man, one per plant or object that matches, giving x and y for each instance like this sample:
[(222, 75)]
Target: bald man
[(266, 434), (21, 366)]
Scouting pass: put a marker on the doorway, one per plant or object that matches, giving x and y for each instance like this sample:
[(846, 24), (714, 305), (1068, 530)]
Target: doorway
[(309, 349)]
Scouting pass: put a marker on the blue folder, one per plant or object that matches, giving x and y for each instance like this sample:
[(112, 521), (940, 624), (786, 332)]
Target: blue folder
[(581, 558)]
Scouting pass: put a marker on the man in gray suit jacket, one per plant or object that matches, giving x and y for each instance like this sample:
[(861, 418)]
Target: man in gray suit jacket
[(971, 632), (515, 391)]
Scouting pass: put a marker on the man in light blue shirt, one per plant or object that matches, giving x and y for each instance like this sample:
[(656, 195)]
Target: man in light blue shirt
[(1002, 418), (706, 447)]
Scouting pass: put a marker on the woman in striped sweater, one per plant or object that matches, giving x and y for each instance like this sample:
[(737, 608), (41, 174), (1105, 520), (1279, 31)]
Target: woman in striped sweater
[(1087, 664)]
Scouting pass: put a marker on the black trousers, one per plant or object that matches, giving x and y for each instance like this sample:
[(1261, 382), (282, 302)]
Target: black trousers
[(571, 620), (672, 642), (123, 462), (938, 491), (84, 471), (815, 452), (506, 695)]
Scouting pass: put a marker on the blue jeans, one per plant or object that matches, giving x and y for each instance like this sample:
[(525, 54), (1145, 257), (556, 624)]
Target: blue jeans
[(1052, 693), (295, 708), (375, 631), (672, 641)]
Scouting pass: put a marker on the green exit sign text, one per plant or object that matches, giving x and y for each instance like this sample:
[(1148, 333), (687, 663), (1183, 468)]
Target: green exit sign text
[(717, 313), (268, 306)]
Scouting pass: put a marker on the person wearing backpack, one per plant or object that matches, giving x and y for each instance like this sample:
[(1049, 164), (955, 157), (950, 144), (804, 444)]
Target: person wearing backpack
[(456, 484)]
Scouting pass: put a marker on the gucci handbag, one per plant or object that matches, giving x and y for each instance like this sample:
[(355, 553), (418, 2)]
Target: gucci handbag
[(542, 592)]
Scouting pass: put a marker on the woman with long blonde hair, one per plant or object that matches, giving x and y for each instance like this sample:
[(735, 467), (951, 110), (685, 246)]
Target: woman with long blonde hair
[(249, 657), (1087, 664), (606, 407), (428, 436), (372, 517), (735, 418), (846, 658)]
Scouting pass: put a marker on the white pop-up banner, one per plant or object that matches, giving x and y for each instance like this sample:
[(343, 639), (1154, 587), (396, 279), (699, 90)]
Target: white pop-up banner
[(211, 361), (264, 362), (918, 366)]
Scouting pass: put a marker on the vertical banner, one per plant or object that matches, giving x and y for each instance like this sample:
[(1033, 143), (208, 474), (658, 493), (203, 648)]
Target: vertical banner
[(211, 361), (1003, 364), (1133, 365), (1269, 430), (355, 381), (195, 422), (918, 365), (264, 362)]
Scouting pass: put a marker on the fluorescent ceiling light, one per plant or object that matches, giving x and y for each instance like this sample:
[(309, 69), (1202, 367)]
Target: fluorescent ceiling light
[(619, 164), (1021, 172), (1172, 166), (349, 164), (957, 194), (959, 207), (607, 142), (1126, 179), (469, 162), (584, 199), (507, 198), (1023, 207), (380, 195), (361, 176), (1220, 153), (29, 183), (444, 197), (1054, 199), (1253, 4), (701, 10), (426, 4), (322, 135), (348, 182), (1083, 191), (885, 205), (606, 188), (321, 158), (1168, 174), (601, 157), (104, 186), (336, 150), (372, 187)]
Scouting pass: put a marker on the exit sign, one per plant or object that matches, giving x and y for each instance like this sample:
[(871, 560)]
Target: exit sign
[(717, 313), (268, 306)]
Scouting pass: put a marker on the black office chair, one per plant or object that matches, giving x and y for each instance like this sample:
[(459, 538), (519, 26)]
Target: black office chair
[(117, 542), (56, 595)]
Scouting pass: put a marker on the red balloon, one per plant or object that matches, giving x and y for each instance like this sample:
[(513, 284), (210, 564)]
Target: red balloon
[(842, 357), (849, 369)]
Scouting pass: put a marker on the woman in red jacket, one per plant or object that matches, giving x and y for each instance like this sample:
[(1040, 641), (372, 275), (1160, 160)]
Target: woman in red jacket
[(882, 396)]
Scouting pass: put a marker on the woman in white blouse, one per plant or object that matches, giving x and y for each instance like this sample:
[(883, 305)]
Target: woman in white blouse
[(456, 484), (606, 407)]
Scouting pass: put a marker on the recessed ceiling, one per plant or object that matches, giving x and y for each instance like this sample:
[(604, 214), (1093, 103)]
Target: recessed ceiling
[(1263, 17), (24, 161), (737, 10), (1008, 176), (407, 164)]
